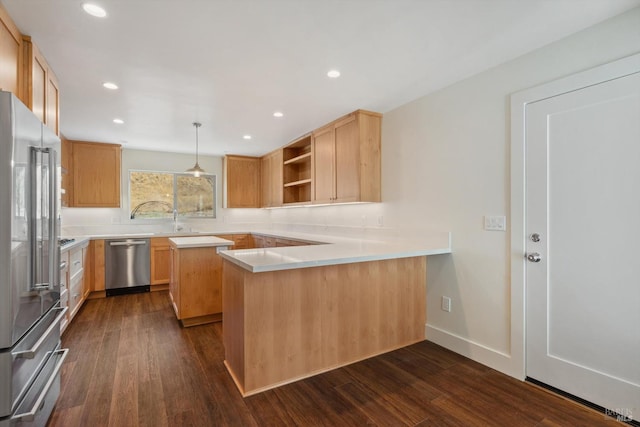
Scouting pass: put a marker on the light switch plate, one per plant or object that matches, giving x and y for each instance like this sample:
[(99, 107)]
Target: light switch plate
[(495, 223)]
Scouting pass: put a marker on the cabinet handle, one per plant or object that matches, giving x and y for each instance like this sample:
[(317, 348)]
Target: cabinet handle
[(76, 263)]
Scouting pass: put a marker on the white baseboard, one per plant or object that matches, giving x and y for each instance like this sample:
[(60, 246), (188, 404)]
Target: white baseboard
[(482, 354)]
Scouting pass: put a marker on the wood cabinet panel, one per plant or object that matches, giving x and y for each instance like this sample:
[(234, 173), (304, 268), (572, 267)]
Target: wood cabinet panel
[(271, 179), (52, 107), (160, 261), (10, 45), (286, 325), (98, 265), (241, 182), (324, 155), (96, 174)]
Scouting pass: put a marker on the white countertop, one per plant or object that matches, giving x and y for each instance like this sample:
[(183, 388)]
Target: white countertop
[(199, 242), (336, 250)]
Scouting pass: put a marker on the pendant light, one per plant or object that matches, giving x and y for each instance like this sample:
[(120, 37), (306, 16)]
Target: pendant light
[(196, 170)]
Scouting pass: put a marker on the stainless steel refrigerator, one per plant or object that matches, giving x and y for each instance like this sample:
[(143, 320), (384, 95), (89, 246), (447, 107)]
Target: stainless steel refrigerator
[(30, 312)]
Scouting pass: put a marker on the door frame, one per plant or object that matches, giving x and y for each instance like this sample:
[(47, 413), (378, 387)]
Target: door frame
[(613, 70)]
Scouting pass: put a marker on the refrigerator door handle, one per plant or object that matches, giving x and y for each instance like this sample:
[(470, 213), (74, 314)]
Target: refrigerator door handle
[(30, 354), (32, 226), (38, 181)]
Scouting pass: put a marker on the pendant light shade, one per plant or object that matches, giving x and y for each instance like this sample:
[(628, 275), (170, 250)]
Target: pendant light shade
[(196, 170)]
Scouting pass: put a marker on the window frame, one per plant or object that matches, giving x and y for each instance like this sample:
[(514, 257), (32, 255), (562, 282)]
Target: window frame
[(175, 176)]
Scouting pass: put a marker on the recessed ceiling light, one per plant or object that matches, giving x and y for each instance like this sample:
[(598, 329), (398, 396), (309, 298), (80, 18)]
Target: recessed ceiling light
[(118, 121), (334, 74), (278, 114), (246, 136), (94, 10), (109, 85)]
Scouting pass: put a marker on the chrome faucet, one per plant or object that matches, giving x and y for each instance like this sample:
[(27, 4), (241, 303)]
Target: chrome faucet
[(175, 220)]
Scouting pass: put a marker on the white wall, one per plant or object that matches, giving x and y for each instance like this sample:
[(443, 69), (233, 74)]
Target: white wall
[(445, 166)]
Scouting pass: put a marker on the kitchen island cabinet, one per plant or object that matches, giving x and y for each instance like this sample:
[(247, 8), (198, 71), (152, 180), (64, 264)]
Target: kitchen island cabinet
[(195, 286)]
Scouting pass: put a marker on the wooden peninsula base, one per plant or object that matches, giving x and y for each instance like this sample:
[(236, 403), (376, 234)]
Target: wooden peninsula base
[(282, 326)]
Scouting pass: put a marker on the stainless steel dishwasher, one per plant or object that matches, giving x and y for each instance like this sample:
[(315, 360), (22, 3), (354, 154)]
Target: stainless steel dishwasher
[(127, 267)]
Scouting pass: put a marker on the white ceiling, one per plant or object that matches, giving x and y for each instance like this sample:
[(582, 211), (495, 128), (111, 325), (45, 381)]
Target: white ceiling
[(231, 63)]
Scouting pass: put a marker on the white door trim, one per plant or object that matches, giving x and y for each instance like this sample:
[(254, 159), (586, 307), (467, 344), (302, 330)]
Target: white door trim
[(519, 101)]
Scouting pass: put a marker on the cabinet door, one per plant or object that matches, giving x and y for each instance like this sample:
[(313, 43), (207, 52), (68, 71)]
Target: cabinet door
[(38, 87), (276, 179), (96, 174), (10, 40), (347, 158), (265, 166), (160, 267), (242, 182), (52, 103), (324, 172), (98, 265)]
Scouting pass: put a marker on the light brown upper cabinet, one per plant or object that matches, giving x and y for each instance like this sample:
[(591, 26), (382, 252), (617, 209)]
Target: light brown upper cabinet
[(241, 182), (10, 43), (271, 170), (347, 159), (39, 88), (95, 170)]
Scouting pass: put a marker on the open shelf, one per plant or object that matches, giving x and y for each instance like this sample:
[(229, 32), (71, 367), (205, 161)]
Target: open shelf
[(297, 161), (296, 183)]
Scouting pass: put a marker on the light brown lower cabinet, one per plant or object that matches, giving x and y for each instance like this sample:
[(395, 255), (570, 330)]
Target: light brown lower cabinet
[(195, 285), (282, 326), (241, 241), (160, 266), (96, 267)]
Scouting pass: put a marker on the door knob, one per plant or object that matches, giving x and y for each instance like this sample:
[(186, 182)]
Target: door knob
[(534, 257)]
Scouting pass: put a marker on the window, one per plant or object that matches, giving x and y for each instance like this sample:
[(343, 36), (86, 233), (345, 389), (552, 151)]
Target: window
[(157, 194)]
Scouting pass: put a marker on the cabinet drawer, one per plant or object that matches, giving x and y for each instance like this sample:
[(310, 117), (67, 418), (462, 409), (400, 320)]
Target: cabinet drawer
[(242, 241), (64, 276), (75, 262)]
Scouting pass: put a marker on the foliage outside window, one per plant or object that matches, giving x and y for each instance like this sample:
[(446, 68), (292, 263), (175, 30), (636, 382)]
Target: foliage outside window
[(157, 194)]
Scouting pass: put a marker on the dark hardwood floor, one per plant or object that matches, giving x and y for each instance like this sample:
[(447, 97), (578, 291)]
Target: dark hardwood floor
[(131, 364)]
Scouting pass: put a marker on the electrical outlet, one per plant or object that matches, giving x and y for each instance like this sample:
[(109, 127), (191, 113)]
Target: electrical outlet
[(380, 221), (495, 223), (446, 304)]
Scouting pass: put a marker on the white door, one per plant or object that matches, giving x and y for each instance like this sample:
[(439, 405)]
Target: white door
[(582, 222)]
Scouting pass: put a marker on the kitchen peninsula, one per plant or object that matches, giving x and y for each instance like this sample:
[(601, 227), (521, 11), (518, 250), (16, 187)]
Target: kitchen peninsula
[(293, 312)]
